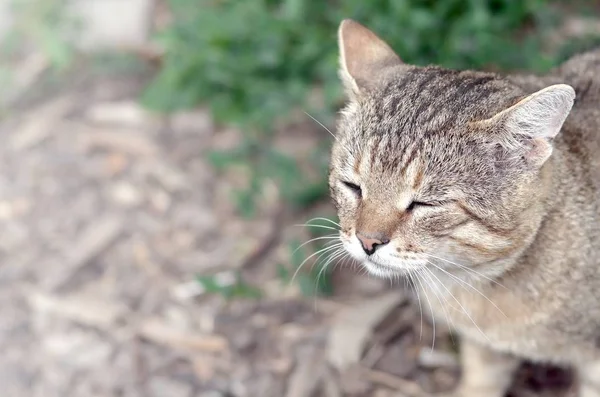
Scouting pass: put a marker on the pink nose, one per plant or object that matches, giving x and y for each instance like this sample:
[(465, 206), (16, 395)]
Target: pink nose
[(370, 241)]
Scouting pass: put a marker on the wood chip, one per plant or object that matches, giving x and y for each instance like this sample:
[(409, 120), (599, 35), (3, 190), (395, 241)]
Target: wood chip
[(353, 327), (127, 141), (437, 359), (203, 368), (307, 375), (197, 120), (331, 388), (125, 113), (40, 123), (406, 387), (79, 308), (125, 194), (95, 239), (159, 332), (25, 75), (172, 179)]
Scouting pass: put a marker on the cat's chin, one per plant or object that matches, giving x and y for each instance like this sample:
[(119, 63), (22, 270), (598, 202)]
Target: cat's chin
[(387, 271)]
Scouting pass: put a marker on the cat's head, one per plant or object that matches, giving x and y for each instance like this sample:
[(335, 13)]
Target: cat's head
[(438, 168)]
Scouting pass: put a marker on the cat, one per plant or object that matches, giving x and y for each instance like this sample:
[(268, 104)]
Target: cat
[(484, 191)]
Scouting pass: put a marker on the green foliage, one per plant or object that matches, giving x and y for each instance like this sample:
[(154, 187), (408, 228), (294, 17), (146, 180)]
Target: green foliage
[(255, 60), (44, 24), (297, 188), (213, 284), (577, 46)]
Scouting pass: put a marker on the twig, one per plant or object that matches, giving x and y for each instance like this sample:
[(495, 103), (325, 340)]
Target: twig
[(139, 366), (267, 245), (411, 389)]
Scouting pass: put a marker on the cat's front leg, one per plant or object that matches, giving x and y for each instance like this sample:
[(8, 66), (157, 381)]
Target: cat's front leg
[(484, 371), (589, 379)]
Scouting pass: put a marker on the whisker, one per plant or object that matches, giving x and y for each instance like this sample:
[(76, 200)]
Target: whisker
[(329, 237), (321, 251), (463, 283), (319, 218), (327, 244), (317, 226), (412, 282), (417, 274), (342, 264), (443, 305), (468, 269), (331, 258), (321, 124), (459, 304)]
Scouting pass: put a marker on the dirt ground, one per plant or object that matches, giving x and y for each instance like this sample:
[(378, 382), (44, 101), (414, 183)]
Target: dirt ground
[(106, 215)]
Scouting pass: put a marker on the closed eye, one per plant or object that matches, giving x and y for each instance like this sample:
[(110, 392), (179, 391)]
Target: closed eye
[(354, 187), (415, 204)]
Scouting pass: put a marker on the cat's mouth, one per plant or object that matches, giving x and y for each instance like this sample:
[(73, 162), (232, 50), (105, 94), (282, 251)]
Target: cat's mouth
[(384, 263)]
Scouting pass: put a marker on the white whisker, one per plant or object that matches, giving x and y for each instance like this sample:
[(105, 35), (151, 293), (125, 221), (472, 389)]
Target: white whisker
[(329, 237), (321, 251), (345, 261), (462, 283), (317, 226), (331, 258), (458, 302), (468, 269), (321, 124), (336, 254), (444, 304), (319, 218), (430, 308), (412, 282)]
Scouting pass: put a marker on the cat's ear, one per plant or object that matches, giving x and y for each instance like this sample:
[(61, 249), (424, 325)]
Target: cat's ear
[(363, 56), (532, 123)]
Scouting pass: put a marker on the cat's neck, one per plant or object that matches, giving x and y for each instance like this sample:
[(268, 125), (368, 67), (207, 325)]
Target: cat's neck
[(567, 217)]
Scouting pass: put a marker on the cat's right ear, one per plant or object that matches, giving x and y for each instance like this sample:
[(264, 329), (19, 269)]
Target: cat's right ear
[(532, 123), (363, 56)]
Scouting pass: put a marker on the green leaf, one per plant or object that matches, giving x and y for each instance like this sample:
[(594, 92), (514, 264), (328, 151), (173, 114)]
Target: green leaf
[(283, 272)]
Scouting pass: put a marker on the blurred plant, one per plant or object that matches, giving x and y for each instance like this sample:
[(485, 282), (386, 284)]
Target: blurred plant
[(576, 46), (227, 284), (298, 188), (44, 25)]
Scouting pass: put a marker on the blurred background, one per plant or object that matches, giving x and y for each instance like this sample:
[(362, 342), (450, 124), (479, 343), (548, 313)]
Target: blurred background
[(165, 227)]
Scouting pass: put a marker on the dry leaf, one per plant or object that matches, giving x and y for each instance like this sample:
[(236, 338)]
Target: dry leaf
[(354, 326)]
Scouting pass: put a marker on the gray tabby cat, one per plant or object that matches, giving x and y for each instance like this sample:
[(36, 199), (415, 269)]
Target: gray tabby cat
[(485, 190)]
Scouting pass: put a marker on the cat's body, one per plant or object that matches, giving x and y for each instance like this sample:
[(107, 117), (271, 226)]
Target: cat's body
[(470, 184), (548, 304)]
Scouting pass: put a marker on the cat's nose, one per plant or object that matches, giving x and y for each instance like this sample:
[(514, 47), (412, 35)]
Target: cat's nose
[(370, 241)]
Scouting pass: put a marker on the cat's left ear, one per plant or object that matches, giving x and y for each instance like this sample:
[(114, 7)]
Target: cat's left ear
[(532, 123), (363, 57)]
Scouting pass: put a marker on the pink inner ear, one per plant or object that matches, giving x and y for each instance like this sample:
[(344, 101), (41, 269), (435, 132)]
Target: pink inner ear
[(538, 151)]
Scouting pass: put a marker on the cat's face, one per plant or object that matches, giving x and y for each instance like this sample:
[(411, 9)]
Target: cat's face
[(437, 169), (410, 197)]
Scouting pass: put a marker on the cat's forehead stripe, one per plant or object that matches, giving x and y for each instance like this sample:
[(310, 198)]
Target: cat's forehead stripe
[(429, 99), (357, 162), (412, 156)]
